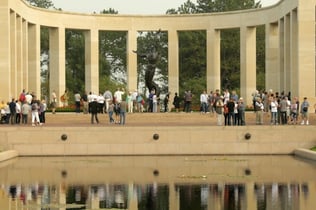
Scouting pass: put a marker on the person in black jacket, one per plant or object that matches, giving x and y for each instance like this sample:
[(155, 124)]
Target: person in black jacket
[(94, 110)]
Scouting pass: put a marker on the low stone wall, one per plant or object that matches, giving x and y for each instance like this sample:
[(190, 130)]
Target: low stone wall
[(172, 140), (6, 155)]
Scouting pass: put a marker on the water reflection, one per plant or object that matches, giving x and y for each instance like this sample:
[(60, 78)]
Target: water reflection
[(159, 183)]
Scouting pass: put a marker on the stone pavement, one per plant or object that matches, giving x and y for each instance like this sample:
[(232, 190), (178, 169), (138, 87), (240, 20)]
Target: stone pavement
[(150, 119)]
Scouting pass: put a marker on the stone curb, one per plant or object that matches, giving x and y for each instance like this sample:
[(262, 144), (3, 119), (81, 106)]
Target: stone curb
[(6, 155), (305, 153)]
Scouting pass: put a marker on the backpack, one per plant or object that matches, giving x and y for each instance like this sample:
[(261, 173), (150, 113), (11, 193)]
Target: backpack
[(34, 106)]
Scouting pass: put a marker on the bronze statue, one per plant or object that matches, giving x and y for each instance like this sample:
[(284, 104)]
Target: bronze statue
[(152, 57)]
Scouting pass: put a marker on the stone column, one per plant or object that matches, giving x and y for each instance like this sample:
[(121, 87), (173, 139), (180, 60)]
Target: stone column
[(306, 52), (294, 88), (173, 64), (57, 57), (34, 51), (131, 61), (287, 55), (247, 63), (19, 56), (213, 60), (92, 60), (13, 55), (25, 55), (272, 77), (5, 63), (281, 54)]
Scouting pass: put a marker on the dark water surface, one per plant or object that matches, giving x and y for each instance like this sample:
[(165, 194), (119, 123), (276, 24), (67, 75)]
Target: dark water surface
[(159, 183)]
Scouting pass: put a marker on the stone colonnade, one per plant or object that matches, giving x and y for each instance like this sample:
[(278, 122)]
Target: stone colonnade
[(290, 46)]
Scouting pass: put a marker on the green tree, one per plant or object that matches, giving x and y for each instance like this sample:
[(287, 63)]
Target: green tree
[(41, 3), (112, 57), (192, 46)]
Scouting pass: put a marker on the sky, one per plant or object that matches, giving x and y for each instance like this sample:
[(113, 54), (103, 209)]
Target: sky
[(142, 7)]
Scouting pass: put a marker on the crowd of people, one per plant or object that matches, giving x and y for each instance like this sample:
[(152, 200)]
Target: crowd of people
[(228, 107), (18, 111)]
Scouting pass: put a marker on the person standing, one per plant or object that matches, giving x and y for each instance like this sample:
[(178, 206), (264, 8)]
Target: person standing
[(110, 111), (123, 107), (259, 111), (203, 101), (304, 112), (118, 95), (231, 110), (188, 100), (241, 112), (64, 98), (18, 112), (77, 101), (85, 103), (166, 102), (129, 101), (35, 115), (101, 102), (176, 102), (25, 112), (155, 103), (42, 111), (283, 110), (108, 97), (274, 111), (12, 106), (94, 106), (54, 102), (219, 104)]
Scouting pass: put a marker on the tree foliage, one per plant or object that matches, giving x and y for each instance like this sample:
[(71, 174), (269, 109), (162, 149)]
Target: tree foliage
[(41, 3), (193, 52)]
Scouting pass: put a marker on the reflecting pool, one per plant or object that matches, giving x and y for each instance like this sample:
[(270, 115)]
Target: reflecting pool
[(158, 183)]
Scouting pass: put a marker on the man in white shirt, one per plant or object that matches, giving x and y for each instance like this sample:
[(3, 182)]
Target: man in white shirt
[(203, 100), (118, 95)]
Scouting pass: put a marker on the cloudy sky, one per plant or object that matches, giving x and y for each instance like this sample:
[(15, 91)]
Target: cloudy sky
[(126, 6)]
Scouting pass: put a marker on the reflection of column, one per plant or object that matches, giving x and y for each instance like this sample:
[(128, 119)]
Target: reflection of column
[(62, 195), (214, 201), (34, 50), (307, 199), (247, 62), (132, 197), (92, 60), (173, 63), (57, 80), (131, 60), (213, 60), (174, 197), (251, 201), (93, 201), (4, 200), (39, 202)]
